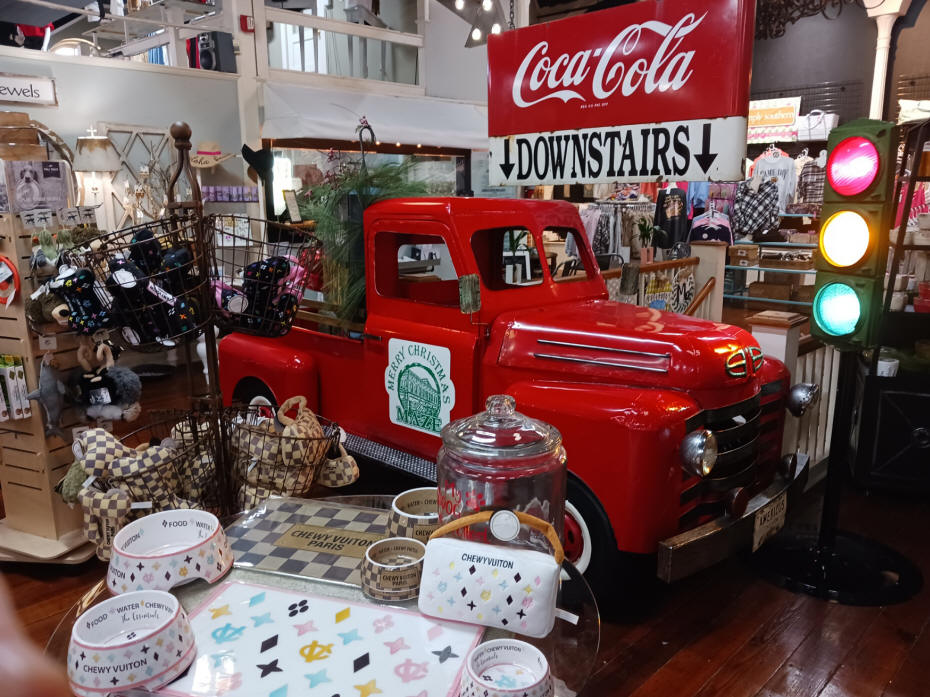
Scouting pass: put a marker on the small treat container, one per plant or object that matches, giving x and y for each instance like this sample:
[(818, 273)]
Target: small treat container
[(136, 640), (506, 668), (392, 568), (414, 514), (164, 550), (887, 367)]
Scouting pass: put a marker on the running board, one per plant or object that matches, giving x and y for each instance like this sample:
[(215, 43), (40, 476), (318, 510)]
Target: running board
[(391, 457)]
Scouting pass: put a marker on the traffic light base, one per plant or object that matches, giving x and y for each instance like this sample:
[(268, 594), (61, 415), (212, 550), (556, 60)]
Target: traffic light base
[(854, 571)]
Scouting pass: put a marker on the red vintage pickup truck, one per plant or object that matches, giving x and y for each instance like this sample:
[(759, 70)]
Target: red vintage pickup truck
[(637, 393)]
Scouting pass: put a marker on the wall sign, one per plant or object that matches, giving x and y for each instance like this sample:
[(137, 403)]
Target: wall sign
[(774, 119), (418, 380), (28, 89), (615, 84)]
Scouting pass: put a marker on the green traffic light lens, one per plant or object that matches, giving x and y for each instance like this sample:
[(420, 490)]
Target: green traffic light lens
[(837, 309)]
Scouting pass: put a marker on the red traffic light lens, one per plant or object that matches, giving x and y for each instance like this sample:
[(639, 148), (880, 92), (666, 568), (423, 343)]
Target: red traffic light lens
[(852, 166)]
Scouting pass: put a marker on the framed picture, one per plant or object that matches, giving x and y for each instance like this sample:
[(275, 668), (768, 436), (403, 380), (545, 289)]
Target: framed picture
[(290, 200)]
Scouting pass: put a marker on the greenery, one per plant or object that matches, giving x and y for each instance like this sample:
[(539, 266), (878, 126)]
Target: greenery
[(336, 206)]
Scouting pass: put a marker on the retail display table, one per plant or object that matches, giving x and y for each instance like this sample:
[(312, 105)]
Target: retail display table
[(571, 649)]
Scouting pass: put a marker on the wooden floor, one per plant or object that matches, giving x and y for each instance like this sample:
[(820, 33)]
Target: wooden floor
[(722, 633)]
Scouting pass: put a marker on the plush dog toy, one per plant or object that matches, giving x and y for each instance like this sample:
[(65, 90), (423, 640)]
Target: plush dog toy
[(47, 308), (106, 391), (50, 395), (76, 288)]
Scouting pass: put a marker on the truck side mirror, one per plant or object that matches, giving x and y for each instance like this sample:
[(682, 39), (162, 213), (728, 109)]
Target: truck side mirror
[(469, 293)]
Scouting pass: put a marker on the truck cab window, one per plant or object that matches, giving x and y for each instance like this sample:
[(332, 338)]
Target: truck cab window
[(415, 267), (563, 251), (508, 258)]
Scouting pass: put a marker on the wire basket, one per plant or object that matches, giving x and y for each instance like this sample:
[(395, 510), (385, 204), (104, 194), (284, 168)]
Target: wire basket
[(143, 281), (276, 456), (187, 477), (257, 284)]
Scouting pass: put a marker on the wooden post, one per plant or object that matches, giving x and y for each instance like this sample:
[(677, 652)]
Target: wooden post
[(779, 333), (712, 257)]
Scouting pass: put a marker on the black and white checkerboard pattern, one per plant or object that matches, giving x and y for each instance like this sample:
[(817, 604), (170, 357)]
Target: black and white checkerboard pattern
[(252, 539)]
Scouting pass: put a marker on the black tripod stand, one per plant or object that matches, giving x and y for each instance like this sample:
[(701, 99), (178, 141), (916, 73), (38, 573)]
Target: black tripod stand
[(837, 565)]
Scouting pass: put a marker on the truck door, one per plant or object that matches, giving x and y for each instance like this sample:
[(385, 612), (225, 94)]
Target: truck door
[(421, 351)]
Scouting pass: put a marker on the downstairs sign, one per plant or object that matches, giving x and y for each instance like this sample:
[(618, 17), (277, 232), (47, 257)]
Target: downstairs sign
[(647, 91)]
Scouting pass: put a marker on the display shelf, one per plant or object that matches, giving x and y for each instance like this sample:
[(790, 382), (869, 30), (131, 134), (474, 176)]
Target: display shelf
[(120, 28), (749, 298), (798, 215), (803, 272), (795, 245)]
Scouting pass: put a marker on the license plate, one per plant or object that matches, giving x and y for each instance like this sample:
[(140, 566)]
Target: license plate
[(769, 520)]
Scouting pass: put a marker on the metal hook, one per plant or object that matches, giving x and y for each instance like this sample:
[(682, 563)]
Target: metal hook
[(362, 129)]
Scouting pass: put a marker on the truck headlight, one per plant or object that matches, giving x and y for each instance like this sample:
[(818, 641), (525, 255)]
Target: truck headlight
[(803, 396), (699, 452)]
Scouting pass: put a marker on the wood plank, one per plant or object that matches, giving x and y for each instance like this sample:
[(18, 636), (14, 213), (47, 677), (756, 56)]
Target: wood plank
[(687, 671), (910, 680), (815, 661)]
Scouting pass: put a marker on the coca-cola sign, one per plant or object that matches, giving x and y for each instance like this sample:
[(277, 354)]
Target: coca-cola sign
[(654, 61)]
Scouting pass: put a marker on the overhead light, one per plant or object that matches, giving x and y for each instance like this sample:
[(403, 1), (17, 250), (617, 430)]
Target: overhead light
[(397, 144), (377, 142), (495, 28), (419, 145), (460, 5), (487, 5), (476, 34)]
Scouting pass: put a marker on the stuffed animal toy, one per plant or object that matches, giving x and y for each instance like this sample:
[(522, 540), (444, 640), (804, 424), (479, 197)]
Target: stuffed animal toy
[(51, 395), (76, 288), (106, 391), (47, 308), (177, 268), (41, 264), (140, 314), (105, 512), (270, 288), (229, 300)]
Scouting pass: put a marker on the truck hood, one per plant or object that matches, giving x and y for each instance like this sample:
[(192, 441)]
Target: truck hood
[(605, 341)]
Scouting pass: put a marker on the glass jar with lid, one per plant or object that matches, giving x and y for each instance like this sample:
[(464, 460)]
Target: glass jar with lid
[(502, 459)]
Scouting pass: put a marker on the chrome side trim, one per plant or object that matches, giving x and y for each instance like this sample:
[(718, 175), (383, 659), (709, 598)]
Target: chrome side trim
[(550, 342), (591, 361)]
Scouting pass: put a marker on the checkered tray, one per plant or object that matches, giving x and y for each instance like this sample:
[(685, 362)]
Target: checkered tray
[(307, 538)]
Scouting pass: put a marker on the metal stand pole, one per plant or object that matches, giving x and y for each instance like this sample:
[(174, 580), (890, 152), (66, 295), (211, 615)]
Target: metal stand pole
[(837, 565)]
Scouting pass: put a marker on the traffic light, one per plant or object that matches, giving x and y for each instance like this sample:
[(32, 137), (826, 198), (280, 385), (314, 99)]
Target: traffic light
[(853, 248)]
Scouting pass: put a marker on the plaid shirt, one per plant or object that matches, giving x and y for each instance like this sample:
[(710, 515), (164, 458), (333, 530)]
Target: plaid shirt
[(755, 212), (810, 184)]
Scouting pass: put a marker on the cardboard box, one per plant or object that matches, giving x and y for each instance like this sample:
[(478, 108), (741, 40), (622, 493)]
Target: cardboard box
[(743, 254), (770, 292)]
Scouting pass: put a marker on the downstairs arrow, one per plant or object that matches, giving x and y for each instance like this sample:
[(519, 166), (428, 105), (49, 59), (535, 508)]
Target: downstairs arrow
[(507, 166), (705, 158)]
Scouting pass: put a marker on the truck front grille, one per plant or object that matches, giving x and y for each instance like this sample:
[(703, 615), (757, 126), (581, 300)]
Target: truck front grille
[(748, 438)]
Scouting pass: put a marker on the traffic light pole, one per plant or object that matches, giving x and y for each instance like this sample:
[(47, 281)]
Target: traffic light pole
[(837, 565)]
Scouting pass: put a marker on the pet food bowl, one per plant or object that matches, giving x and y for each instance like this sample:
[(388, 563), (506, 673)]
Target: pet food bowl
[(164, 550), (506, 668), (137, 640), (415, 514), (392, 569)]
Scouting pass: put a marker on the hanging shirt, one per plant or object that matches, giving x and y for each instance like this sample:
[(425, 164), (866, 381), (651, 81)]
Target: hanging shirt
[(810, 183), (672, 216), (755, 212), (698, 193), (781, 169)]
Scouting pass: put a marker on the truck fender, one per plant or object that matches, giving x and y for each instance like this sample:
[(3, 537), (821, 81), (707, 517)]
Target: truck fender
[(623, 444), (247, 361)]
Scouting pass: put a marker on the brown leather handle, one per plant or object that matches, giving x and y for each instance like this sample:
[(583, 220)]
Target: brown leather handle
[(300, 402), (524, 518)]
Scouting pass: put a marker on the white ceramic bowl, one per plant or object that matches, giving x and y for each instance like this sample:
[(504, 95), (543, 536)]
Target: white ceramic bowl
[(164, 550), (136, 640), (506, 668)]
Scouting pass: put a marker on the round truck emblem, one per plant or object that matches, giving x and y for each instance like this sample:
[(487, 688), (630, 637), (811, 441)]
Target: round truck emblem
[(738, 363)]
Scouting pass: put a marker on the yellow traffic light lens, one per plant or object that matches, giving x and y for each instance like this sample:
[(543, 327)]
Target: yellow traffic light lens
[(844, 239), (837, 309)]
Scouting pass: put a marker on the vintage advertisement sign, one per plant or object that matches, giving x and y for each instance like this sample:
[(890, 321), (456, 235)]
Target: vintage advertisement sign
[(615, 84), (27, 89), (418, 380)]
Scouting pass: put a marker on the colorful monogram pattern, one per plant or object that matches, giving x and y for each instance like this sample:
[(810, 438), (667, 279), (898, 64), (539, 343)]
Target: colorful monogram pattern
[(256, 641)]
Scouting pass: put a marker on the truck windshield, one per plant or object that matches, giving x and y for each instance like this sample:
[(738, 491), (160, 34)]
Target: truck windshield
[(510, 258)]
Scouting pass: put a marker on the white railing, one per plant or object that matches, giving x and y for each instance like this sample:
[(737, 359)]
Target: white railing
[(819, 364)]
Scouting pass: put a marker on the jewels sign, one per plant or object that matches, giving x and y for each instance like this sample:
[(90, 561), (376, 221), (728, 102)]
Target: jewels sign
[(646, 91)]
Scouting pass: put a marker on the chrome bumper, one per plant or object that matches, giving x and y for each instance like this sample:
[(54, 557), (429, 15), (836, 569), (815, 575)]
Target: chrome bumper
[(703, 546)]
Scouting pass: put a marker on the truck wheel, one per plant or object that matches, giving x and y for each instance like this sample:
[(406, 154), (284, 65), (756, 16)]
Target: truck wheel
[(622, 583), (254, 392)]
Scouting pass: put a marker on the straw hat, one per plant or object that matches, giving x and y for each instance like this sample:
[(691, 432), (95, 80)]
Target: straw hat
[(208, 154)]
